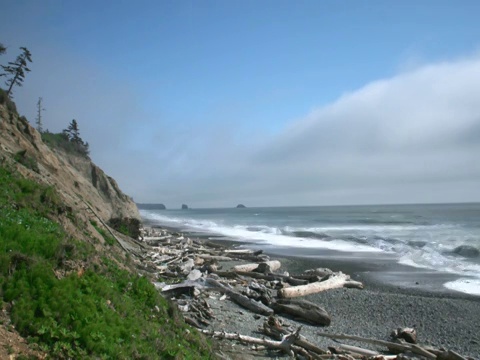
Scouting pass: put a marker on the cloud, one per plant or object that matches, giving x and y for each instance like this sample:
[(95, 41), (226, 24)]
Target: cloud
[(411, 138), (414, 137)]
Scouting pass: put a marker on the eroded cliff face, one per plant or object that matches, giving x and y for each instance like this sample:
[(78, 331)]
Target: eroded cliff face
[(77, 179)]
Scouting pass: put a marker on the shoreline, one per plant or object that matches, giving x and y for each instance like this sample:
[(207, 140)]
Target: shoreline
[(442, 317)]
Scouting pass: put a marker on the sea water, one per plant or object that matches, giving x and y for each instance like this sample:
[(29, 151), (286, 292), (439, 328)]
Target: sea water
[(422, 236)]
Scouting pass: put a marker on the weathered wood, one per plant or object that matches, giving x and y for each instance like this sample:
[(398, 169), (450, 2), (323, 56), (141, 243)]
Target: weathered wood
[(274, 265), (242, 300), (272, 277), (214, 257), (274, 329), (303, 310), (337, 280), (358, 350), (390, 345), (285, 344)]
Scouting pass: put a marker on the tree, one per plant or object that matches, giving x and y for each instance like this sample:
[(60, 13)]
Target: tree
[(3, 50), (73, 132), (17, 69), (38, 119), (73, 135)]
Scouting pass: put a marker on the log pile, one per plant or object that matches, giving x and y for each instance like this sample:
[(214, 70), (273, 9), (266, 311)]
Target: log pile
[(189, 271)]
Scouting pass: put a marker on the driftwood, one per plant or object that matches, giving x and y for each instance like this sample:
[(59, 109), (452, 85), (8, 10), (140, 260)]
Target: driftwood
[(303, 310), (242, 300), (273, 328), (284, 345), (274, 265), (336, 280), (390, 345)]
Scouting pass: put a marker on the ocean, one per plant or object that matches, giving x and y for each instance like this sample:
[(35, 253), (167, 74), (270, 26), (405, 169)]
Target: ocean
[(439, 237)]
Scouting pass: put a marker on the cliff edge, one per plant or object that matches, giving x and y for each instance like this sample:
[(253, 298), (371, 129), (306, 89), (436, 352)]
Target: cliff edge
[(76, 178)]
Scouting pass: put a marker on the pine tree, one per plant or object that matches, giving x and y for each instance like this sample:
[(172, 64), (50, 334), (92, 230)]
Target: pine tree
[(3, 50), (17, 69), (38, 119)]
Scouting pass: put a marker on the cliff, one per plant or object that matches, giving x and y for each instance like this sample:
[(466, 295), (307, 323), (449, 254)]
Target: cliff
[(77, 179), (68, 281)]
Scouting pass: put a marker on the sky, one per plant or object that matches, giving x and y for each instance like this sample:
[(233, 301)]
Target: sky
[(265, 103)]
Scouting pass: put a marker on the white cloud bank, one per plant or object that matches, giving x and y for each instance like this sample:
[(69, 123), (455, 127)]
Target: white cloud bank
[(412, 138)]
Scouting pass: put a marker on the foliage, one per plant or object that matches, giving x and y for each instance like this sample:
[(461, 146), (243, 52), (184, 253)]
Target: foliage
[(108, 239), (26, 160), (127, 226), (61, 141), (106, 312), (4, 99), (17, 69), (38, 119)]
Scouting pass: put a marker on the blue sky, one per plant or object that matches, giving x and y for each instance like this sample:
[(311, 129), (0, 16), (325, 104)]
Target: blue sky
[(213, 103)]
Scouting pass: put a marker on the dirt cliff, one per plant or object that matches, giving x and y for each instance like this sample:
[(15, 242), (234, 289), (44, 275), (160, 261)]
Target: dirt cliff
[(76, 178)]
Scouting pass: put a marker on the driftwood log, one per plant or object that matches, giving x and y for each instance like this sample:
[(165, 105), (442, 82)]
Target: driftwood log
[(335, 281), (285, 344), (303, 310), (242, 300), (273, 264)]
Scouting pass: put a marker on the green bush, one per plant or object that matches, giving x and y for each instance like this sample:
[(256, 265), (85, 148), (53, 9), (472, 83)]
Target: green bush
[(27, 161), (106, 312), (62, 142), (127, 226)]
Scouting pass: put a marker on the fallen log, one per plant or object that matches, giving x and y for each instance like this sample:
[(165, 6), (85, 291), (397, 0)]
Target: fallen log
[(274, 265), (337, 280), (242, 300), (390, 345), (274, 329), (273, 277), (214, 257), (285, 344), (303, 310)]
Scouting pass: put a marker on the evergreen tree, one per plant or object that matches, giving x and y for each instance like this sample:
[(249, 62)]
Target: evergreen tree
[(72, 133), (38, 119), (3, 50), (17, 69)]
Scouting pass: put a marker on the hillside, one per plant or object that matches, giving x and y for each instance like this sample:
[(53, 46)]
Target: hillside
[(68, 288)]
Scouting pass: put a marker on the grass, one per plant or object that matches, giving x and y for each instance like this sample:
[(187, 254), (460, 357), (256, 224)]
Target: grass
[(104, 312)]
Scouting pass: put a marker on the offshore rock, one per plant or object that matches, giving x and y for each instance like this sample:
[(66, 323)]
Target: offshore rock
[(467, 251), (184, 207)]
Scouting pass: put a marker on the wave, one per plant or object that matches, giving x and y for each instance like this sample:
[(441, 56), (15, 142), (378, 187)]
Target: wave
[(416, 245), (262, 233)]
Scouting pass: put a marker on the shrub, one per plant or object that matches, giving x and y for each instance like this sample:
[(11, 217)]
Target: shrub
[(106, 312), (127, 226)]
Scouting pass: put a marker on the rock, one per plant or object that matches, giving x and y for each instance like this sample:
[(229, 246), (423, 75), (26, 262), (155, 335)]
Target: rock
[(184, 207), (407, 334), (241, 206), (466, 251), (152, 206)]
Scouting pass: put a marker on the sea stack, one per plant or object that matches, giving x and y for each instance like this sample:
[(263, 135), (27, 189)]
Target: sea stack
[(241, 206), (184, 207)]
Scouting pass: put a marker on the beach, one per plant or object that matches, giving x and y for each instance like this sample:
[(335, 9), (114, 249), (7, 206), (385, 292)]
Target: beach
[(442, 318)]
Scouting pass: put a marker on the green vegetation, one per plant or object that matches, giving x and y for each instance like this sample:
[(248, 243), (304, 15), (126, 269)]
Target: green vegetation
[(108, 238), (63, 142), (16, 69), (127, 226), (27, 161), (4, 99), (102, 312)]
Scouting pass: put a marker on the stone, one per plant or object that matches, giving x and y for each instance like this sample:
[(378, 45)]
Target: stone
[(467, 251)]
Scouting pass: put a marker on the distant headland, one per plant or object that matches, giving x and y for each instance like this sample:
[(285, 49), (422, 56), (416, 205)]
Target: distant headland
[(151, 206)]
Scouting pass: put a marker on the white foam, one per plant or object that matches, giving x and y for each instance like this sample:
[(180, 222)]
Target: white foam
[(269, 235), (465, 285)]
